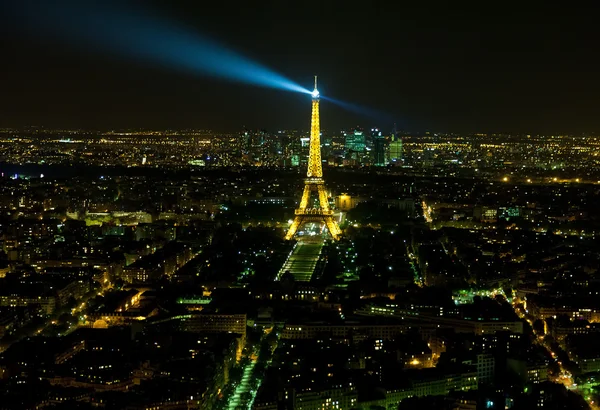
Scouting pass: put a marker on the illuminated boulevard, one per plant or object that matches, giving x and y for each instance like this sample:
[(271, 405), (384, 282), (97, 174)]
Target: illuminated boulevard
[(238, 399), (256, 362), (564, 376)]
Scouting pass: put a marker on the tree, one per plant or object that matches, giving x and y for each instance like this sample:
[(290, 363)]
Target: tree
[(288, 277), (71, 303)]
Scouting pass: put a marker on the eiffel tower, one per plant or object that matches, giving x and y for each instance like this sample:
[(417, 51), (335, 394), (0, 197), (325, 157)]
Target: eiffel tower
[(314, 183)]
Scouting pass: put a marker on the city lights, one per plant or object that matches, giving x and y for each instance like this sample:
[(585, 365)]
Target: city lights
[(172, 238)]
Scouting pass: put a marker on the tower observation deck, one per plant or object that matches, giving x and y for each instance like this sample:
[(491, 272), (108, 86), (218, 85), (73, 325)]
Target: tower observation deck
[(314, 183)]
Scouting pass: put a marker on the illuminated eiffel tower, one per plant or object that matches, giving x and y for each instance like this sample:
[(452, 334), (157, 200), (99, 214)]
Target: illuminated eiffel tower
[(314, 182)]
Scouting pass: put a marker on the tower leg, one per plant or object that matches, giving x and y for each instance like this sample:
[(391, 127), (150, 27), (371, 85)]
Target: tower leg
[(305, 197), (323, 201), (293, 228), (333, 227)]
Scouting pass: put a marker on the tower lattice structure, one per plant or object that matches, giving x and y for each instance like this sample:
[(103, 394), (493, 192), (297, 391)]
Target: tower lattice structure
[(314, 183)]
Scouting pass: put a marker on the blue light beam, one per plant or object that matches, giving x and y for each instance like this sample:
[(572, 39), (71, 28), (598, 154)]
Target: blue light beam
[(378, 116), (139, 34)]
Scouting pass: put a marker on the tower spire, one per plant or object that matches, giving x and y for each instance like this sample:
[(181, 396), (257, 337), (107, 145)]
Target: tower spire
[(315, 93)]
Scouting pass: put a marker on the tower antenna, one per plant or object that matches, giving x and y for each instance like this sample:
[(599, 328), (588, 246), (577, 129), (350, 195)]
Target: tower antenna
[(315, 82)]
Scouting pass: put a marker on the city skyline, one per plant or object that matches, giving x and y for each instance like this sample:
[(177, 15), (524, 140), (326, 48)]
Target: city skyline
[(452, 70)]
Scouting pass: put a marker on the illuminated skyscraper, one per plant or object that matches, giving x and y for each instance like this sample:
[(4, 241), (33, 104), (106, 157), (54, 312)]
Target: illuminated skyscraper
[(395, 149), (355, 141), (319, 212), (396, 152), (379, 148)]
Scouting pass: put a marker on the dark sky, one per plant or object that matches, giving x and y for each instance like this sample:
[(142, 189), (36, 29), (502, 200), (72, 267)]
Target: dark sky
[(525, 68)]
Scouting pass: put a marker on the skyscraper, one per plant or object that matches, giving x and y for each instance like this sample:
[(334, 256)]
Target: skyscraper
[(396, 151), (355, 142), (380, 158)]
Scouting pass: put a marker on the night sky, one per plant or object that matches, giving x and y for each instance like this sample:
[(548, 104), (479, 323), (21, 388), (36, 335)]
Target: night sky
[(526, 69)]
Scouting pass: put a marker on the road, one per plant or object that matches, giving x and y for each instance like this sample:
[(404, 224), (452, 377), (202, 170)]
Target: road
[(246, 390), (565, 377), (238, 399)]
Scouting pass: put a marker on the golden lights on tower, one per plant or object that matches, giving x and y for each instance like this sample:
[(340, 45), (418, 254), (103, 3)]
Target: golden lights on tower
[(314, 182)]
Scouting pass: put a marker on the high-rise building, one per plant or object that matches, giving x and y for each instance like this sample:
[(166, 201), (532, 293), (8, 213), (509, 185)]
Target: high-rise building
[(292, 147), (370, 138), (326, 144), (304, 151), (396, 152), (355, 141), (380, 158), (254, 144)]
